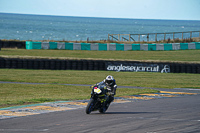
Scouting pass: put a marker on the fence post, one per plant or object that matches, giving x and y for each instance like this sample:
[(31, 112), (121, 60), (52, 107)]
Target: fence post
[(148, 37), (118, 37), (112, 37), (190, 34), (139, 37), (129, 37), (164, 36), (156, 37), (173, 35), (108, 36), (199, 33), (182, 35)]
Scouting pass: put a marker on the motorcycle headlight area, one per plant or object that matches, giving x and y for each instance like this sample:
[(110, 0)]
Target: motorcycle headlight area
[(97, 90)]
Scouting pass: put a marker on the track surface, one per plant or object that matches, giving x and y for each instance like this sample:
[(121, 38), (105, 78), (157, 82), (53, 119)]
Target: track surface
[(175, 114)]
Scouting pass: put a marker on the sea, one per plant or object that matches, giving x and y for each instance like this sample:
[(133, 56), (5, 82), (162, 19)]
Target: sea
[(72, 28)]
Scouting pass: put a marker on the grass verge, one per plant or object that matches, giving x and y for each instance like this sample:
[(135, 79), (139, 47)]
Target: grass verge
[(141, 79), (172, 56), (21, 94)]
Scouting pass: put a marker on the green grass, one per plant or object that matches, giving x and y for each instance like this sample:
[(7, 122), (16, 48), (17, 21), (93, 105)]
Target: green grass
[(21, 94), (180, 55), (141, 79)]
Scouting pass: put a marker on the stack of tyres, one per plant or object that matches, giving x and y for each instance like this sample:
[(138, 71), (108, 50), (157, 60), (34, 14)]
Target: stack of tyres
[(25, 64), (74, 65), (46, 64), (52, 64), (188, 68), (14, 63), (19, 63), (80, 65), (30, 64), (172, 68), (41, 64), (90, 65), (57, 66), (36, 64), (68, 64), (96, 65), (7, 63), (6, 44), (2, 63), (62, 65), (19, 44), (198, 68), (85, 65), (194, 68), (183, 67), (177, 70), (101, 65), (12, 44), (0, 44)]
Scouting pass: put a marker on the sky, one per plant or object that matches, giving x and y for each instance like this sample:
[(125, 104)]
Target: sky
[(136, 9)]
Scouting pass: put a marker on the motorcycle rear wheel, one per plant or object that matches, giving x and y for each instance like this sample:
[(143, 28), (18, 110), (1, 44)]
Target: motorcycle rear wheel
[(90, 106)]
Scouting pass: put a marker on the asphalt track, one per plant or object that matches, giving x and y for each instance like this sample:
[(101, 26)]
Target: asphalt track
[(160, 115)]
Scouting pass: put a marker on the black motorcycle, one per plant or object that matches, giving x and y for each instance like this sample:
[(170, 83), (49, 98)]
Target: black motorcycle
[(99, 99)]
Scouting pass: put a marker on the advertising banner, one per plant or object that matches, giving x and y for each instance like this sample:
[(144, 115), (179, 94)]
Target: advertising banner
[(137, 67)]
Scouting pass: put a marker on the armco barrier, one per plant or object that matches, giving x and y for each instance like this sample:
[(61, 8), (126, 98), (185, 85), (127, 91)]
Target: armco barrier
[(111, 46), (132, 66)]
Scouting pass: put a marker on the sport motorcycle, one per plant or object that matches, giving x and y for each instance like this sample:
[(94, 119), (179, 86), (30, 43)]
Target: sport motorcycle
[(99, 99)]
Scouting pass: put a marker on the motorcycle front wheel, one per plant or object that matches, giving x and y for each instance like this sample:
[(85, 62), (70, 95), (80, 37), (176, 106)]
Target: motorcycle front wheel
[(104, 108), (90, 106)]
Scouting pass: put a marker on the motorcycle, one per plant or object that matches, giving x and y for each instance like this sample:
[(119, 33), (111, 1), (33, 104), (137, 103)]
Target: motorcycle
[(99, 99)]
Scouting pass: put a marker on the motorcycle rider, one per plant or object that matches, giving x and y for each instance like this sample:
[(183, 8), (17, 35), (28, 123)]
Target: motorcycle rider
[(111, 87)]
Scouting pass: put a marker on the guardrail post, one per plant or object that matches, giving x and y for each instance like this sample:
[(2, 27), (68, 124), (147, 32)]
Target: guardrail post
[(182, 35), (138, 37), (112, 37), (156, 37), (164, 36)]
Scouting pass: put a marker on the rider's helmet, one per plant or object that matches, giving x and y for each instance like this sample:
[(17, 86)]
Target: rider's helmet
[(109, 80)]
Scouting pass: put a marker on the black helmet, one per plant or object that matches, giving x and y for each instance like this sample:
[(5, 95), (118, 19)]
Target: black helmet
[(109, 80)]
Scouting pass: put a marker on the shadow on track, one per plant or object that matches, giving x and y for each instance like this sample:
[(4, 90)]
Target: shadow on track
[(107, 113)]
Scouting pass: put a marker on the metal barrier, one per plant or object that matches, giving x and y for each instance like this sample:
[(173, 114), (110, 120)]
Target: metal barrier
[(152, 36)]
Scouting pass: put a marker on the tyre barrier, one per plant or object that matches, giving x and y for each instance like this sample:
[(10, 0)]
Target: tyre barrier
[(102, 65), (12, 44)]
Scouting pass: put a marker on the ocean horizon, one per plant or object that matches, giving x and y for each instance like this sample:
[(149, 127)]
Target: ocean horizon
[(77, 28)]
